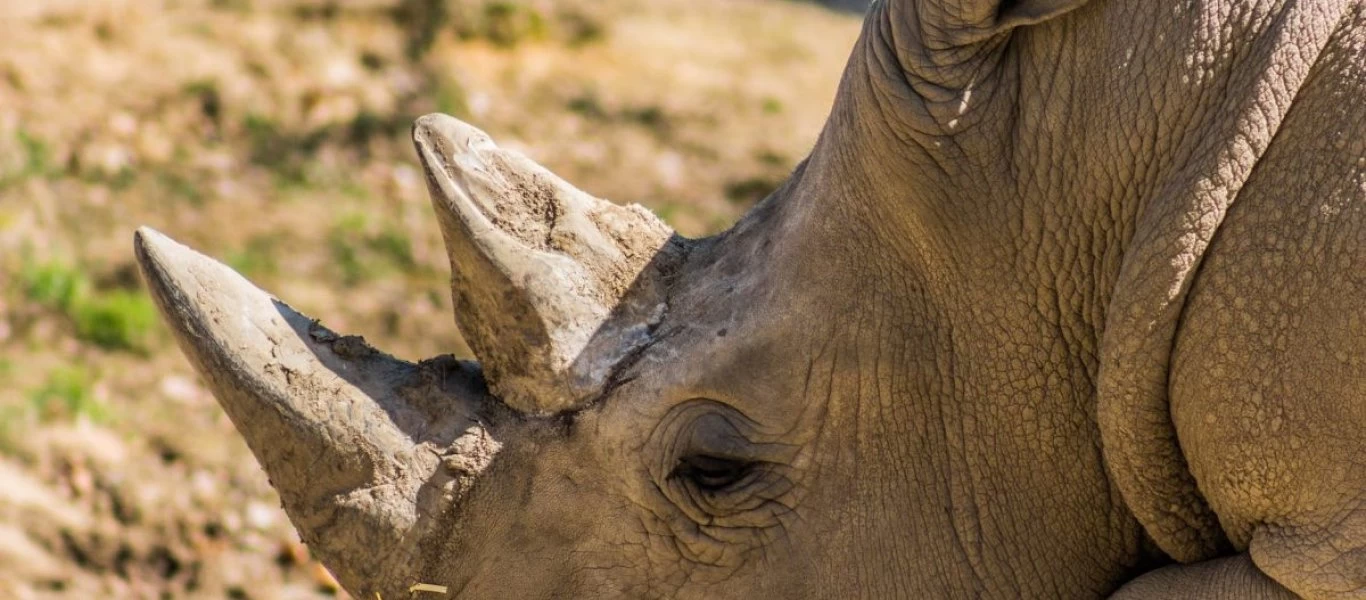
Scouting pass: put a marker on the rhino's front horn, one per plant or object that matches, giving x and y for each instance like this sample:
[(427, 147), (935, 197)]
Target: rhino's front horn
[(551, 285), (367, 451)]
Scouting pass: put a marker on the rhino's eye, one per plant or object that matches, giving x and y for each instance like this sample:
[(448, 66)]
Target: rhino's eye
[(712, 473)]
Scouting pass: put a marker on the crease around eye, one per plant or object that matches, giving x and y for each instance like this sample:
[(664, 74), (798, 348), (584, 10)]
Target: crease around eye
[(713, 474)]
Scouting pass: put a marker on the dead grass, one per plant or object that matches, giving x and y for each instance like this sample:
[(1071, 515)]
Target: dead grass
[(273, 134)]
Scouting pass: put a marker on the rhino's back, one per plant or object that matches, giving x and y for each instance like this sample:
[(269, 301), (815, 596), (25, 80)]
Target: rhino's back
[(1268, 380)]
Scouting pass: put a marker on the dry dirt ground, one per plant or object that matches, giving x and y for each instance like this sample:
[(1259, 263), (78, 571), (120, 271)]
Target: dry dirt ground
[(273, 134)]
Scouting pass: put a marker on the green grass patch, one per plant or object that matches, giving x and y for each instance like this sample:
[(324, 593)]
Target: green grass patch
[(422, 22), (266, 142), (37, 157), (509, 24), (116, 319), (368, 126), (452, 99), (747, 191), (67, 395), (590, 106), (118, 181), (290, 155), (53, 284), (504, 23), (255, 258), (285, 153), (580, 28), (363, 251), (372, 61), (587, 105), (771, 158), (650, 117), (667, 211), (241, 6), (34, 160), (210, 98), (181, 186)]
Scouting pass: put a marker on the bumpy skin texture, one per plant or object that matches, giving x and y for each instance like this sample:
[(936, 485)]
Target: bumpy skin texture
[(1267, 380), (1231, 577), (1066, 293)]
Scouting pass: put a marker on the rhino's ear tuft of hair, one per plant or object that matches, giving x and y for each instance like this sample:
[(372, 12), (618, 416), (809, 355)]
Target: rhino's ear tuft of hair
[(551, 286)]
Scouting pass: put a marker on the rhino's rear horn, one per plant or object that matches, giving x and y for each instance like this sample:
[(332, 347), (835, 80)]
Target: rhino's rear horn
[(540, 271)]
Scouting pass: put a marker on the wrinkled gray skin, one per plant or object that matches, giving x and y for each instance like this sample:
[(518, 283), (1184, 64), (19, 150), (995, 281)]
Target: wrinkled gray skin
[(1067, 291)]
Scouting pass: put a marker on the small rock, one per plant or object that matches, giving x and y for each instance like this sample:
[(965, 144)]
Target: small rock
[(232, 522), (123, 124), (150, 495), (404, 178), (340, 73), (85, 441), (220, 161), (333, 109), (671, 170), (259, 515), (26, 557), (106, 158), (180, 388), (204, 484), (97, 196), (29, 498), (479, 104), (225, 188), (82, 481), (154, 145)]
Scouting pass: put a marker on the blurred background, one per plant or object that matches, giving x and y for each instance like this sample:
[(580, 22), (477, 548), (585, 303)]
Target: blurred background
[(273, 134)]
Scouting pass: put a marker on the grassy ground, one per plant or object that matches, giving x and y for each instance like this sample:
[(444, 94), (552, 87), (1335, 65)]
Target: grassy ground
[(273, 134)]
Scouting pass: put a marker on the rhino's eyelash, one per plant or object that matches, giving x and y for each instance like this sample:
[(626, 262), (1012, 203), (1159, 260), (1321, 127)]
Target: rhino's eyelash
[(712, 474)]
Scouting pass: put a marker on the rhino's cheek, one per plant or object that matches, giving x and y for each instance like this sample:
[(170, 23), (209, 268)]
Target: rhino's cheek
[(692, 559), (583, 524), (544, 524)]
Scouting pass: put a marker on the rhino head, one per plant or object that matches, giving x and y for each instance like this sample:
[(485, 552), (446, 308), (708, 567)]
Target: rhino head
[(625, 431), (620, 403), (932, 364)]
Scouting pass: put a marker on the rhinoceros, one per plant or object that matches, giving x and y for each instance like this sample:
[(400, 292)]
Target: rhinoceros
[(1067, 301)]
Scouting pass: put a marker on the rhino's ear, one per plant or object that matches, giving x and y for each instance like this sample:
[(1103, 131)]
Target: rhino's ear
[(551, 286), (1028, 12), (963, 22)]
